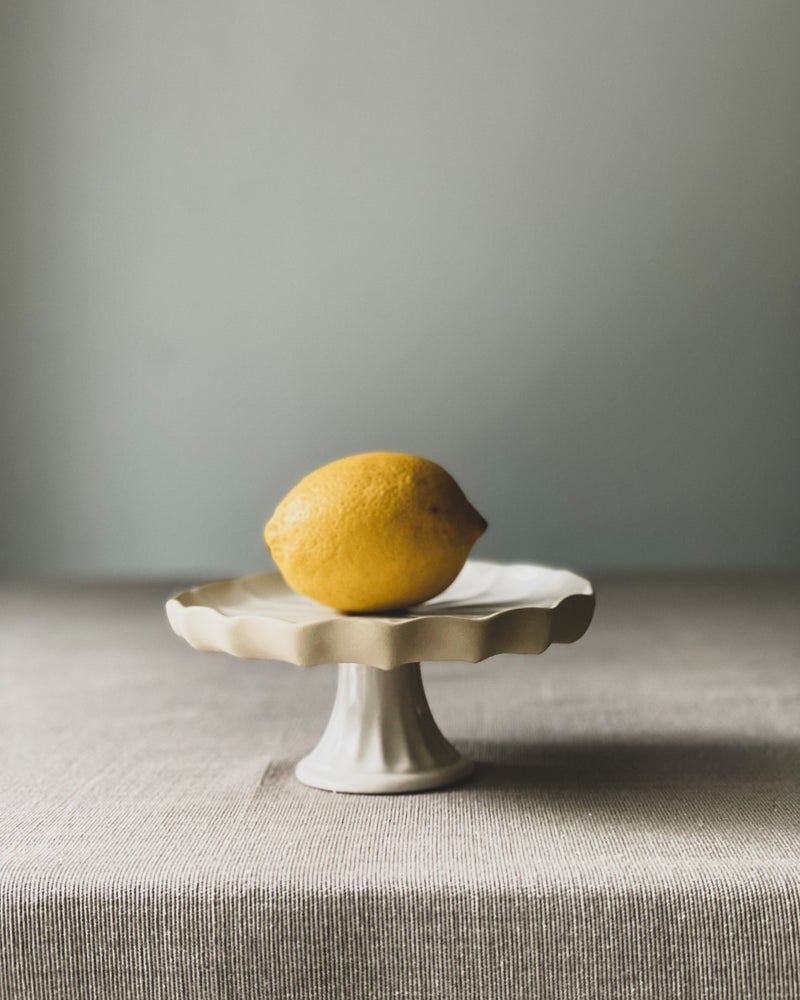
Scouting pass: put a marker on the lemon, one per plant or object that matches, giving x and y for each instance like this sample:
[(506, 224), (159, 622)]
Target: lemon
[(373, 532)]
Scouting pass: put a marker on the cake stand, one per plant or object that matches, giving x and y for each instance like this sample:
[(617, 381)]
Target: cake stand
[(381, 736)]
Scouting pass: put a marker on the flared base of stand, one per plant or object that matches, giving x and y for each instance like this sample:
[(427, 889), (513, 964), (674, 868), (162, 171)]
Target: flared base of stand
[(381, 737), (312, 773)]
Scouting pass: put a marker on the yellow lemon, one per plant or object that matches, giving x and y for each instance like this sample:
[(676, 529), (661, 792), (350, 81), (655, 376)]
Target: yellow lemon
[(373, 532)]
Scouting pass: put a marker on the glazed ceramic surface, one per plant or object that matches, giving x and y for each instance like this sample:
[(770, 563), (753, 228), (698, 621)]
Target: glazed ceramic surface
[(381, 737), (490, 608)]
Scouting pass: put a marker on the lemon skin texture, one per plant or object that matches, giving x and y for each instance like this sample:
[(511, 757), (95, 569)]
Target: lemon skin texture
[(373, 532)]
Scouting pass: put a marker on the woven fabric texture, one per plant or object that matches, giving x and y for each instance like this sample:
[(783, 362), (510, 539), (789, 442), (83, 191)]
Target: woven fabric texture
[(632, 829)]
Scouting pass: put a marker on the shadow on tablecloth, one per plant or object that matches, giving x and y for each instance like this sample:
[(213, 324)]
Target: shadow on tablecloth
[(690, 765)]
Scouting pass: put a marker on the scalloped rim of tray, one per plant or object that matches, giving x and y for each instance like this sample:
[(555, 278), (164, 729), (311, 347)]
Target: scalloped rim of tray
[(490, 608)]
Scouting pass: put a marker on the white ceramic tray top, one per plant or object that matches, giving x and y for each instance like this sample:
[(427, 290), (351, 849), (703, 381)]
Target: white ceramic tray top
[(490, 608)]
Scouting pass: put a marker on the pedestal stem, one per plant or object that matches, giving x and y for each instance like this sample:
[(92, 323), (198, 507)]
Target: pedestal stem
[(381, 736)]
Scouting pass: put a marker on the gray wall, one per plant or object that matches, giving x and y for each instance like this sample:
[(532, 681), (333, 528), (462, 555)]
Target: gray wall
[(553, 246)]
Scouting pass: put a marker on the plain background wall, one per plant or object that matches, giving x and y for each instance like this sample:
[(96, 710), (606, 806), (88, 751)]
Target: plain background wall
[(553, 246)]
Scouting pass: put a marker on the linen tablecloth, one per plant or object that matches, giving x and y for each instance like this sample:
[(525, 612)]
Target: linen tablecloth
[(632, 829)]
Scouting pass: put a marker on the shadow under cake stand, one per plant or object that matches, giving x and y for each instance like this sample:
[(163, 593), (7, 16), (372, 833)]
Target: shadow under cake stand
[(381, 736)]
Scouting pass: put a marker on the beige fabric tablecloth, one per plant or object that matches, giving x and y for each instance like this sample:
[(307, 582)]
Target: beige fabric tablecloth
[(632, 831)]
